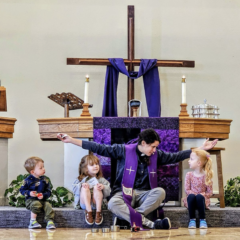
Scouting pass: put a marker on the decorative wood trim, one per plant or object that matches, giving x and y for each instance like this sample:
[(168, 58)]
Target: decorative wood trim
[(83, 127), (204, 128), (7, 127), (3, 99)]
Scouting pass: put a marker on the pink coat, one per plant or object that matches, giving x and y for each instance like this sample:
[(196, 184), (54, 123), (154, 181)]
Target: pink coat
[(196, 185)]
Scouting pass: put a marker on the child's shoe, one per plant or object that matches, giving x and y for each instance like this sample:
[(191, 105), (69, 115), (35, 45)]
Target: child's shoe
[(89, 218), (50, 225), (203, 223), (34, 224), (98, 218), (192, 223)]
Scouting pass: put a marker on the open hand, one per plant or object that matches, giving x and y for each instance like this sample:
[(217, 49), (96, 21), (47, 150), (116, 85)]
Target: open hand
[(209, 145), (64, 137)]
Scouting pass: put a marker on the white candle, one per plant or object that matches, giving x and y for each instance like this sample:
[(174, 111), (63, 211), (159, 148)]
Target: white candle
[(86, 89), (184, 89)]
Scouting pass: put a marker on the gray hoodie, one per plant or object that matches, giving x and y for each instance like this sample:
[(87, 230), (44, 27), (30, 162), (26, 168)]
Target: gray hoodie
[(77, 185)]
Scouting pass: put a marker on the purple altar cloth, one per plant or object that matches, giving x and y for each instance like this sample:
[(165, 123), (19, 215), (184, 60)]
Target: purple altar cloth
[(168, 130)]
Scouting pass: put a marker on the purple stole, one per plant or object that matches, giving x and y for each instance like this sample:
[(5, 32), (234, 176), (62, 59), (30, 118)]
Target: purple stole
[(131, 165)]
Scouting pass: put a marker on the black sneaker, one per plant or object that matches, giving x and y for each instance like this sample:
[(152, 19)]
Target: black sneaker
[(122, 223), (162, 223)]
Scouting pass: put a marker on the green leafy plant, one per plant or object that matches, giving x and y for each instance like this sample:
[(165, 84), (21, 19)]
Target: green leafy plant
[(232, 192), (60, 196)]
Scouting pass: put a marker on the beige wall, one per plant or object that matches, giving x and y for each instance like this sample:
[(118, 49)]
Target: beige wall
[(37, 36)]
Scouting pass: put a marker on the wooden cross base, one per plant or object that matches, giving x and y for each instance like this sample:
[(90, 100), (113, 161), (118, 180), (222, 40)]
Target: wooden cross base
[(85, 112), (183, 112)]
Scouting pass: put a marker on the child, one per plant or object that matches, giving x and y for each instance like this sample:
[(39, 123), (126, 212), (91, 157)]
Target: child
[(90, 188), (36, 189), (198, 186)]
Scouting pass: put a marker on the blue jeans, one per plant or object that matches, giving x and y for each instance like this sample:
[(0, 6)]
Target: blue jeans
[(196, 202)]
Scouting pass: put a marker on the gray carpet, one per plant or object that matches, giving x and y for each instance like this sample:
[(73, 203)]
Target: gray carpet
[(11, 217)]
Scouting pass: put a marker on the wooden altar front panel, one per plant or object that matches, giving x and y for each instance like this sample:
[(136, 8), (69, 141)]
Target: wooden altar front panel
[(83, 127)]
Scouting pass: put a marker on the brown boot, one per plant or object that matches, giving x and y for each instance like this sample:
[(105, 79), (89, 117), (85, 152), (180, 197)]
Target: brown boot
[(98, 218), (89, 217)]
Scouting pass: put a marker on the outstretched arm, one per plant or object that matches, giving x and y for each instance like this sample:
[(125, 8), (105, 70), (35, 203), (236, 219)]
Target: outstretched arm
[(67, 139), (115, 151), (208, 145), (169, 158)]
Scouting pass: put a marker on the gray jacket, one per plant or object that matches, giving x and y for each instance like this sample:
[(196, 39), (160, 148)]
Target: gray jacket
[(77, 185)]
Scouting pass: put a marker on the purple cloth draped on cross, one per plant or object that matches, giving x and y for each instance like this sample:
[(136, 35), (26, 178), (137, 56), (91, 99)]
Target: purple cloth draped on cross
[(131, 164), (151, 81)]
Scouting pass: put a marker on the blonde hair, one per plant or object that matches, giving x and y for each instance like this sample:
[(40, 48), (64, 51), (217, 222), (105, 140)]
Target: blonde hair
[(206, 161), (31, 163), (88, 160)]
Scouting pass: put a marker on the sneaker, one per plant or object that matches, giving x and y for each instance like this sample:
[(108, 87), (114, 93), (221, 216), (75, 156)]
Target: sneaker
[(162, 223), (50, 225), (34, 224), (122, 223), (98, 218), (192, 223), (203, 223), (89, 218)]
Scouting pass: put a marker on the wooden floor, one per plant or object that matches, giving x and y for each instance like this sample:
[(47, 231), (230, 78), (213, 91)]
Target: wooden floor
[(80, 234)]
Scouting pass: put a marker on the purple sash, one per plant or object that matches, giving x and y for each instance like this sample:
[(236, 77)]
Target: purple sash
[(131, 165)]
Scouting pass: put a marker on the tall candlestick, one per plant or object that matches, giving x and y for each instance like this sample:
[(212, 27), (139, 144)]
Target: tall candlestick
[(184, 89), (86, 89)]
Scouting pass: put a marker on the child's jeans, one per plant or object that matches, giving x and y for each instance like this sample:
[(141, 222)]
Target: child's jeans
[(196, 202)]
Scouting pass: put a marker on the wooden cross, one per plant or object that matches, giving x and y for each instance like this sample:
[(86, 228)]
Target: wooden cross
[(130, 62)]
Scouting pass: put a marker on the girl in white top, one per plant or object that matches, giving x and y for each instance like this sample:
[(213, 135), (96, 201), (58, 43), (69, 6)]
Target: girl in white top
[(90, 188)]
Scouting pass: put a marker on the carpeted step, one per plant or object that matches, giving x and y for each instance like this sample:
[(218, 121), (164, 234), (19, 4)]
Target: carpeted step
[(11, 217)]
